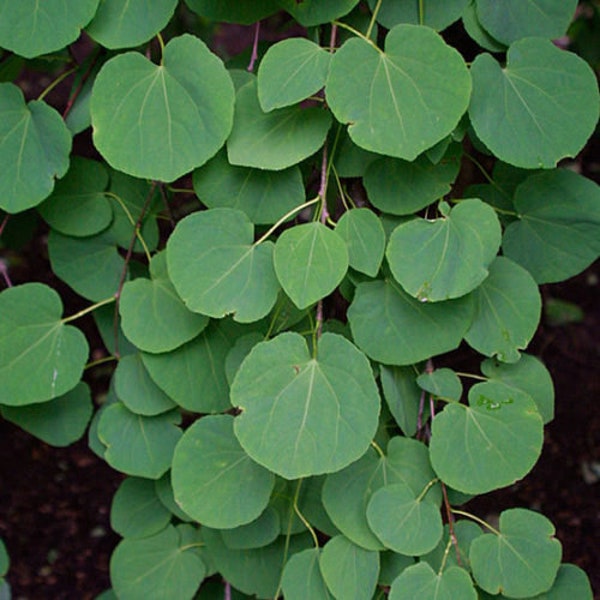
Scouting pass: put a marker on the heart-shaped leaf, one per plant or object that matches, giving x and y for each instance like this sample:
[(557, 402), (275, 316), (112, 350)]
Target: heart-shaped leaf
[(174, 116), (402, 101), (214, 480), (42, 358), (490, 443), (301, 414), (218, 270), (539, 124), (302, 577), (521, 560), (34, 147)]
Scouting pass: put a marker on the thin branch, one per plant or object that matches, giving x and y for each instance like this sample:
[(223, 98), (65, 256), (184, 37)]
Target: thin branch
[(254, 55)]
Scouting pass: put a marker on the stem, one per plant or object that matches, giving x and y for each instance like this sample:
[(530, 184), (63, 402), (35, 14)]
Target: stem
[(491, 181), (137, 226), (4, 273), (4, 223), (426, 489), (445, 557), (421, 12), (227, 591), (476, 519), (373, 19), (87, 310), (100, 361), (161, 43), (58, 80), (285, 218), (358, 34), (472, 376), (286, 549), (254, 55), (451, 531), (301, 516), (377, 448), (323, 186)]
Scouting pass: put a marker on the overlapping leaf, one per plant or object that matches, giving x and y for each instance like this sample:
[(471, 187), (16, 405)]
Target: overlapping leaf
[(304, 415), (557, 234), (443, 383), (257, 534), (34, 147), (129, 23), (218, 270), (31, 28), (448, 257), (498, 438), (214, 480), (314, 12), (537, 122), (402, 395), (265, 196), (310, 261), (521, 560), (302, 577), (437, 14), (275, 140), (42, 358), (153, 316), (395, 329), (402, 101), (507, 311), (162, 121), (234, 11)]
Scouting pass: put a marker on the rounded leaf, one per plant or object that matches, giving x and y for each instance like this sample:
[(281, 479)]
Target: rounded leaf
[(173, 116), (214, 480), (304, 415), (448, 257), (489, 444), (156, 567), (393, 328), (302, 577), (507, 311), (34, 146), (402, 101), (522, 560), (310, 262), (42, 358), (129, 23), (540, 108), (218, 270), (258, 533)]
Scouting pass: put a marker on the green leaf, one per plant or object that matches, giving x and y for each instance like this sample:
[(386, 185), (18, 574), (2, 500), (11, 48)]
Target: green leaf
[(405, 523), (314, 12), (164, 492), (392, 564), (517, 19), (78, 206), (443, 383), (174, 116), (4, 560), (557, 234), (364, 235), (257, 534), (59, 422), (529, 375), (234, 11), (399, 187), (275, 140), (136, 511), (153, 316), (34, 146), (522, 115), (304, 415), (156, 567), (41, 357), (291, 71), (218, 270), (348, 570), (571, 582), (302, 577), (310, 262), (265, 196), (401, 101), (402, 395), (489, 444), (214, 480), (521, 560), (346, 494), (92, 266), (238, 353), (507, 311), (437, 14), (129, 23), (422, 582), (135, 388), (138, 445), (194, 374), (29, 28), (448, 257), (257, 571), (476, 30), (393, 328)]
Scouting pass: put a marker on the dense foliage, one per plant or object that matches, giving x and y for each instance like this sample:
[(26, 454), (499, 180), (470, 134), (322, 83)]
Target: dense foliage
[(279, 250)]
